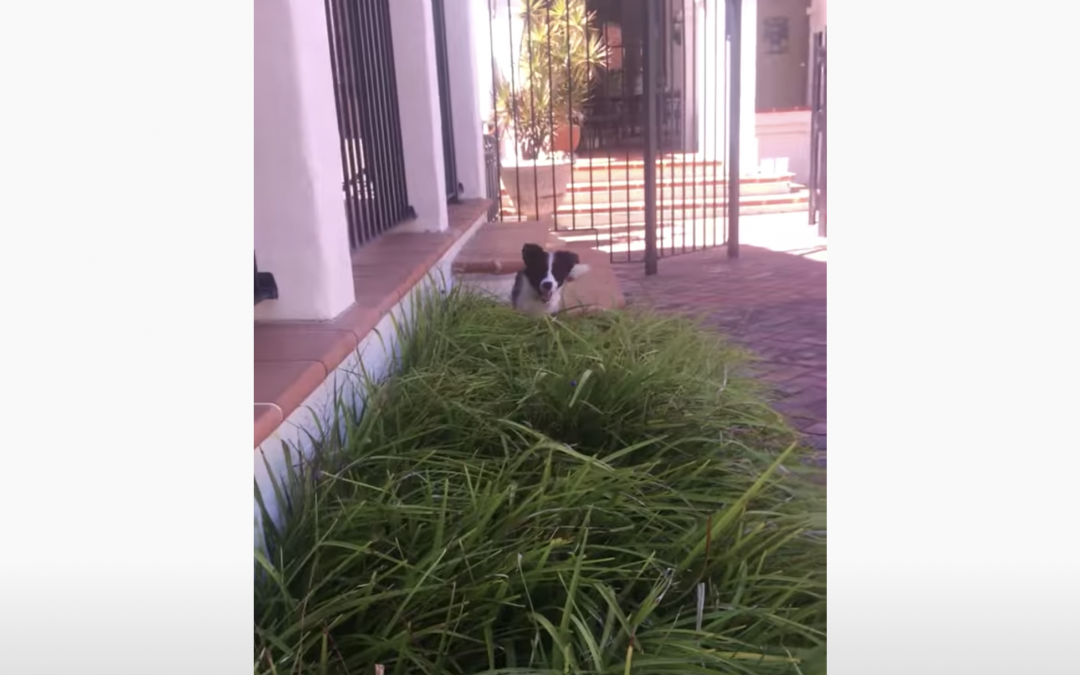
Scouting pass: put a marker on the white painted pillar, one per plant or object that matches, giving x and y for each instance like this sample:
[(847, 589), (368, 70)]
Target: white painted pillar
[(462, 36), (748, 142), (482, 55), (712, 79), (412, 29), (301, 233), (689, 95), (707, 20)]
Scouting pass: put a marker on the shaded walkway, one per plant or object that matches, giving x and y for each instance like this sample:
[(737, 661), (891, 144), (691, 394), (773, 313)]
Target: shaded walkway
[(772, 300)]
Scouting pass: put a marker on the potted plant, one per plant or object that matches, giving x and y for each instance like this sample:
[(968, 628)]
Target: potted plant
[(540, 108)]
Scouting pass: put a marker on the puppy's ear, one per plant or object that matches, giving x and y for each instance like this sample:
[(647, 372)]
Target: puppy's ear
[(532, 252)]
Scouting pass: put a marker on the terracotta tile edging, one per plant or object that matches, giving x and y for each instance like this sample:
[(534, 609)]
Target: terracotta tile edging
[(294, 358), (267, 418), (489, 267)]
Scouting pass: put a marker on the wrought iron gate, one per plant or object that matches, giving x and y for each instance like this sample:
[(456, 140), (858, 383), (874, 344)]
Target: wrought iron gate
[(818, 173), (369, 122), (611, 121)]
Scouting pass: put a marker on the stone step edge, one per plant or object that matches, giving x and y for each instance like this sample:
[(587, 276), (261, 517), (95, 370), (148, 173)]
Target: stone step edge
[(685, 204), (798, 194), (673, 179)]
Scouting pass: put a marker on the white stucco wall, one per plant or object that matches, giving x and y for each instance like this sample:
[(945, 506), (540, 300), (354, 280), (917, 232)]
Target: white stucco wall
[(707, 21), (375, 353), (462, 22), (784, 142), (300, 225), (300, 230), (748, 142)]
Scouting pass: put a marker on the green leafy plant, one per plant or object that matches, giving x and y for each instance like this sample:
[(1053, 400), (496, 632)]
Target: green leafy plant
[(605, 493), (559, 57)]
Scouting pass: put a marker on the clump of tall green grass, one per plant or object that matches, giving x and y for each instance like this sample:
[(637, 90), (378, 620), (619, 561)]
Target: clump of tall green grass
[(604, 493)]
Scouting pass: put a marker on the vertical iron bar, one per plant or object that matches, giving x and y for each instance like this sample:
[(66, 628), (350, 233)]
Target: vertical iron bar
[(438, 11), (657, 120), (697, 141), (584, 108), (551, 117), (527, 36), (815, 107), (734, 112), (723, 164), (708, 164), (391, 167), (406, 211), (823, 176), (677, 207), (366, 120), (514, 107), (370, 140), (384, 190), (334, 44), (358, 148), (607, 159), (393, 172), (384, 96), (682, 128), (650, 129), (570, 115), (495, 106), (624, 114), (667, 230)]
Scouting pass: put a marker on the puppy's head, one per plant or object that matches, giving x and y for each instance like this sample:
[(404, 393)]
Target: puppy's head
[(547, 272)]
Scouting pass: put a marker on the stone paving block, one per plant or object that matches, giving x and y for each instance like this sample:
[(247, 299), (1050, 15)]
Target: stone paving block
[(770, 302)]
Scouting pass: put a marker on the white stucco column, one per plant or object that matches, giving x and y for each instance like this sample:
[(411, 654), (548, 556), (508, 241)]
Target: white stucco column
[(482, 55), (301, 233), (706, 21), (461, 24), (412, 29), (748, 143)]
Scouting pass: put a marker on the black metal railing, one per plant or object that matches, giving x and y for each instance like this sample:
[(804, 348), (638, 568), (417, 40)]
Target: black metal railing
[(369, 122), (491, 176), (589, 144), (614, 110), (265, 286), (453, 187)]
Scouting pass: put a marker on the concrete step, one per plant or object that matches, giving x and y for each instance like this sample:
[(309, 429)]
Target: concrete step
[(673, 188), (675, 236), (584, 215), (614, 169)]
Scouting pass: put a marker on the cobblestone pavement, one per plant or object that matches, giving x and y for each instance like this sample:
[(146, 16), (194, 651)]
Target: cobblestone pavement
[(772, 299)]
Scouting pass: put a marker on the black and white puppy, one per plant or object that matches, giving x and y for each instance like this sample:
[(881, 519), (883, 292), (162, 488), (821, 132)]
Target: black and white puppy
[(538, 287)]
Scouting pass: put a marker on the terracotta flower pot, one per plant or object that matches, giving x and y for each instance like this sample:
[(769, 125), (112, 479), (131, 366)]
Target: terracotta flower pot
[(566, 138)]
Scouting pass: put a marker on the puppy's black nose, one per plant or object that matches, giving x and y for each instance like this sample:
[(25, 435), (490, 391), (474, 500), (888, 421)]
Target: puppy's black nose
[(545, 286)]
